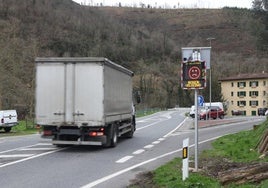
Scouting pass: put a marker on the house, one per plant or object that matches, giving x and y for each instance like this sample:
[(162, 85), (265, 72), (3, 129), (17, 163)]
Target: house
[(245, 93)]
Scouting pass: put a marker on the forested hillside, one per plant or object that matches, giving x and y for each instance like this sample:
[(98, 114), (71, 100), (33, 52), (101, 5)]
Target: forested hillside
[(147, 41)]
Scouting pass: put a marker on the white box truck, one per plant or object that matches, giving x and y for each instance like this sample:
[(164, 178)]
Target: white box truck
[(84, 101)]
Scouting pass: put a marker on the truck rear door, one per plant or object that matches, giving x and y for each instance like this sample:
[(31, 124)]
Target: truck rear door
[(50, 93), (88, 96)]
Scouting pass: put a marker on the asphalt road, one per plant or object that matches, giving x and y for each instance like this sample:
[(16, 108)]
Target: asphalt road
[(29, 161)]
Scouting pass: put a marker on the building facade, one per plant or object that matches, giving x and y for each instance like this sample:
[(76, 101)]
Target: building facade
[(244, 94)]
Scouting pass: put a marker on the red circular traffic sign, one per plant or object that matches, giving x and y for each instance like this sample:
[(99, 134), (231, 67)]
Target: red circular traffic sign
[(194, 73)]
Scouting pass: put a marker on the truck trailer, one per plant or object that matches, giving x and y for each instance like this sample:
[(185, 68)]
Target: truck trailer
[(84, 101)]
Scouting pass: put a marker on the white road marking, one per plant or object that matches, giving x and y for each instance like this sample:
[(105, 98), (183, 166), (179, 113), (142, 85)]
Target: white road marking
[(138, 152), (44, 144), (166, 116), (161, 139), (15, 149), (156, 142), (175, 128), (16, 155), (124, 159), (106, 178), (148, 125), (36, 149), (148, 146), (32, 157)]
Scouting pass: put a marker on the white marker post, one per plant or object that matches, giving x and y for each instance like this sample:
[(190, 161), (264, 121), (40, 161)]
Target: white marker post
[(185, 159)]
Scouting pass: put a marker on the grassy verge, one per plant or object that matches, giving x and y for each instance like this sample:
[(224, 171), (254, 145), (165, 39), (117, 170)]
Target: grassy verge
[(23, 128), (240, 148), (146, 112)]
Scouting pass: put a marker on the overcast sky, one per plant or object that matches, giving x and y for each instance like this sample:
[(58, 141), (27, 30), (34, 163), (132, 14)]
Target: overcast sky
[(172, 3)]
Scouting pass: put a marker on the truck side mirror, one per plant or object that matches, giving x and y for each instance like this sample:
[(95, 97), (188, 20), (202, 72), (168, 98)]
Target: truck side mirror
[(137, 97)]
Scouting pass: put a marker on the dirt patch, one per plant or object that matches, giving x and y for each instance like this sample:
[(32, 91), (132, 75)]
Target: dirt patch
[(143, 180)]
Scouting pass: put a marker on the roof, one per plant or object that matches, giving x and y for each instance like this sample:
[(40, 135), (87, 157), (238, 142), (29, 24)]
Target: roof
[(262, 75), (73, 60)]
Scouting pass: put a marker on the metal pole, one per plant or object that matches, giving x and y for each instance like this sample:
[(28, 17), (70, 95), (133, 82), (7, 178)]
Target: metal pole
[(210, 38), (196, 130), (210, 88)]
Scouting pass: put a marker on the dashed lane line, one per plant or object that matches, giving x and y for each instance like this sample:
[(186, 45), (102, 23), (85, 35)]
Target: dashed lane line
[(148, 146), (106, 178), (138, 152), (156, 142), (124, 159)]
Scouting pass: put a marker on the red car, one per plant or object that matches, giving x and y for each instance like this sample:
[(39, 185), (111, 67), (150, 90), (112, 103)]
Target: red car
[(215, 112)]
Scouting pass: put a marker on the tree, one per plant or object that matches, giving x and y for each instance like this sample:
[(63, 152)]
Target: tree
[(260, 5)]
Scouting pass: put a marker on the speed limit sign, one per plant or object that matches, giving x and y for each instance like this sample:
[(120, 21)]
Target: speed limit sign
[(193, 75)]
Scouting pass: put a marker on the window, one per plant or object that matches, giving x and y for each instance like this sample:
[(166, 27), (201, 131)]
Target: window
[(253, 84), (253, 93), (264, 83), (264, 102), (241, 93), (241, 84), (232, 94), (264, 93), (253, 103), (232, 84), (241, 103)]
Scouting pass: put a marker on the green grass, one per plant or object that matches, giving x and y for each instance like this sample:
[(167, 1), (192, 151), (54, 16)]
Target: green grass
[(23, 128), (240, 147), (170, 175), (146, 112)]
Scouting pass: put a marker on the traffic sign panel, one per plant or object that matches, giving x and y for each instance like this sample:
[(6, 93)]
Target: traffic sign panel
[(193, 75), (200, 99)]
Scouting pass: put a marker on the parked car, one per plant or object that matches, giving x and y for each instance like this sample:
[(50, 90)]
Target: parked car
[(213, 112), (261, 111), (237, 112), (192, 112)]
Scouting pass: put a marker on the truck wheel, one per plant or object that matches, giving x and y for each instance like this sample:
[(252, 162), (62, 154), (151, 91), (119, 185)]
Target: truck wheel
[(114, 137), (7, 129), (130, 133)]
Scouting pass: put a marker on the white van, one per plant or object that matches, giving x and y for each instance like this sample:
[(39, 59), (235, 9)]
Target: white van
[(218, 104), (8, 119)]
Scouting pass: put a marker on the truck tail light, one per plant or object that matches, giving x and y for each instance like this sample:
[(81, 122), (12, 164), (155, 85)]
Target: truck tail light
[(94, 133), (97, 133), (47, 132)]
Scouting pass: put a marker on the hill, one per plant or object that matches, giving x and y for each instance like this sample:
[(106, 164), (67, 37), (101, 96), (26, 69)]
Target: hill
[(147, 41)]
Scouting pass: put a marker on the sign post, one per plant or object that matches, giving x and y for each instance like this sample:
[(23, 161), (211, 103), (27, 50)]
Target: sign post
[(193, 76)]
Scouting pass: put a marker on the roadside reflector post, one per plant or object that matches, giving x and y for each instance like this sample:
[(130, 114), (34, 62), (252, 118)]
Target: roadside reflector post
[(185, 159)]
